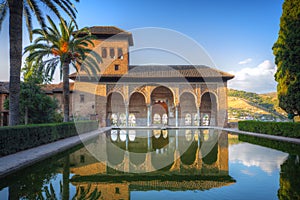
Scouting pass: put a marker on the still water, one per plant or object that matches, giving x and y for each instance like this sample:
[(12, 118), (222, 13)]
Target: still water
[(163, 164)]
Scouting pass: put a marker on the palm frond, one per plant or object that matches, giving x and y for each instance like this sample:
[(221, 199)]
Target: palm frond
[(28, 20), (52, 7), (3, 12), (53, 26), (37, 12)]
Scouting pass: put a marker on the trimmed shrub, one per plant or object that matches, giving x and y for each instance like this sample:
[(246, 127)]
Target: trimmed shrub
[(18, 138), (287, 129)]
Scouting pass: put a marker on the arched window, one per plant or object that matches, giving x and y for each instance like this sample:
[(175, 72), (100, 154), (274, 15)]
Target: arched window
[(122, 119), (104, 52), (188, 119), (120, 53), (205, 120), (196, 117), (114, 119), (112, 53), (132, 120), (165, 119), (156, 119)]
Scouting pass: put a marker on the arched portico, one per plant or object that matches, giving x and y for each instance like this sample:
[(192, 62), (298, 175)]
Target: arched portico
[(137, 110), (208, 109), (188, 110), (162, 103), (116, 112)]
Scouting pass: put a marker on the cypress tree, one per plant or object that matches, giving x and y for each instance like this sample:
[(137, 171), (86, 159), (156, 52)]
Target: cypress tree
[(287, 58)]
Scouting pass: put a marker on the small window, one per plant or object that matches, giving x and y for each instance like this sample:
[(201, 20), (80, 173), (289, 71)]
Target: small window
[(82, 98), (82, 159), (93, 106), (104, 53), (117, 67), (112, 53), (120, 53), (117, 190)]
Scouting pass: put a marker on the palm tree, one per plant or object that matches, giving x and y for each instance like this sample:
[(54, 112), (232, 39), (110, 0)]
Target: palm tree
[(16, 10), (62, 47)]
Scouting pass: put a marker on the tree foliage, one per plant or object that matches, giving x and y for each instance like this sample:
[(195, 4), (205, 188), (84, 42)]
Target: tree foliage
[(35, 8), (35, 106), (18, 9), (287, 58), (58, 47)]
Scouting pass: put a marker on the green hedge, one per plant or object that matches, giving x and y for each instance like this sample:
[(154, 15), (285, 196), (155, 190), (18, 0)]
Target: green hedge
[(287, 129), (18, 138)]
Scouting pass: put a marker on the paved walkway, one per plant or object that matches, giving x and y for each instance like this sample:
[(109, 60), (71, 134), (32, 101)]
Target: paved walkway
[(22, 159)]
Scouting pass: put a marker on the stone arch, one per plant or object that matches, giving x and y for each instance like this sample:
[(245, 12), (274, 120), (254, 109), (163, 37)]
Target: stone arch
[(208, 109), (115, 105), (115, 148), (187, 107), (138, 107), (162, 101)]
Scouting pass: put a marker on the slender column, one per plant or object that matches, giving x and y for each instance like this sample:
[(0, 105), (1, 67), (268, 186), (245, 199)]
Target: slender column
[(127, 114), (176, 116), (127, 140), (148, 115), (176, 140), (198, 114), (149, 145)]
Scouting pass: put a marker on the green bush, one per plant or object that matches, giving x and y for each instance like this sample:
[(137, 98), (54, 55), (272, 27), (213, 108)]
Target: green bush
[(18, 138), (287, 129)]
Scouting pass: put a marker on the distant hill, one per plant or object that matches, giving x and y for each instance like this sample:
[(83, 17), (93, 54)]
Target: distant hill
[(248, 105)]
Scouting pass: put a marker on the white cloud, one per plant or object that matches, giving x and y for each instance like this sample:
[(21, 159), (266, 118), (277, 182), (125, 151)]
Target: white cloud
[(259, 79), (243, 62), (268, 160)]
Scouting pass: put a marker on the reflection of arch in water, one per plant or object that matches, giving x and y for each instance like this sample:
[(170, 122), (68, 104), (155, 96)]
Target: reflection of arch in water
[(160, 142), (212, 156), (114, 135), (209, 146), (131, 135), (115, 154), (123, 135), (137, 158), (189, 156)]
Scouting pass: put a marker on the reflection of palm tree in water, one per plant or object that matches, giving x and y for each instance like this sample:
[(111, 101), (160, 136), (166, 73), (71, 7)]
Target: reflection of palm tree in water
[(65, 190)]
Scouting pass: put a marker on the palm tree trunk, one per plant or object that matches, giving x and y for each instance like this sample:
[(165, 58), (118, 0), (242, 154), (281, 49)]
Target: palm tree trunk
[(15, 54), (66, 178), (66, 91)]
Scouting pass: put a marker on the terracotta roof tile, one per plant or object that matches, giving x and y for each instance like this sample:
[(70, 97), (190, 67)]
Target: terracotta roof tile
[(169, 71), (4, 87), (51, 88)]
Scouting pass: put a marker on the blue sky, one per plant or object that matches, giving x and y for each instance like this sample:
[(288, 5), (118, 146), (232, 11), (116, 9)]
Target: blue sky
[(238, 35)]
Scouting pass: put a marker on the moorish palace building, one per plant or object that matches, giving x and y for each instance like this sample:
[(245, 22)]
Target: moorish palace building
[(144, 95)]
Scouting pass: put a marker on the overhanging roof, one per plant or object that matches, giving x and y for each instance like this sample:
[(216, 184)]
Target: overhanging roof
[(111, 31), (165, 72)]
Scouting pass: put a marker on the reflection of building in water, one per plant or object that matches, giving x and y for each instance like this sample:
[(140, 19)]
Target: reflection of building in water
[(173, 160)]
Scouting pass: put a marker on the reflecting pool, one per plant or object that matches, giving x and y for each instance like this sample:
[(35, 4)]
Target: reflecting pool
[(169, 164)]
